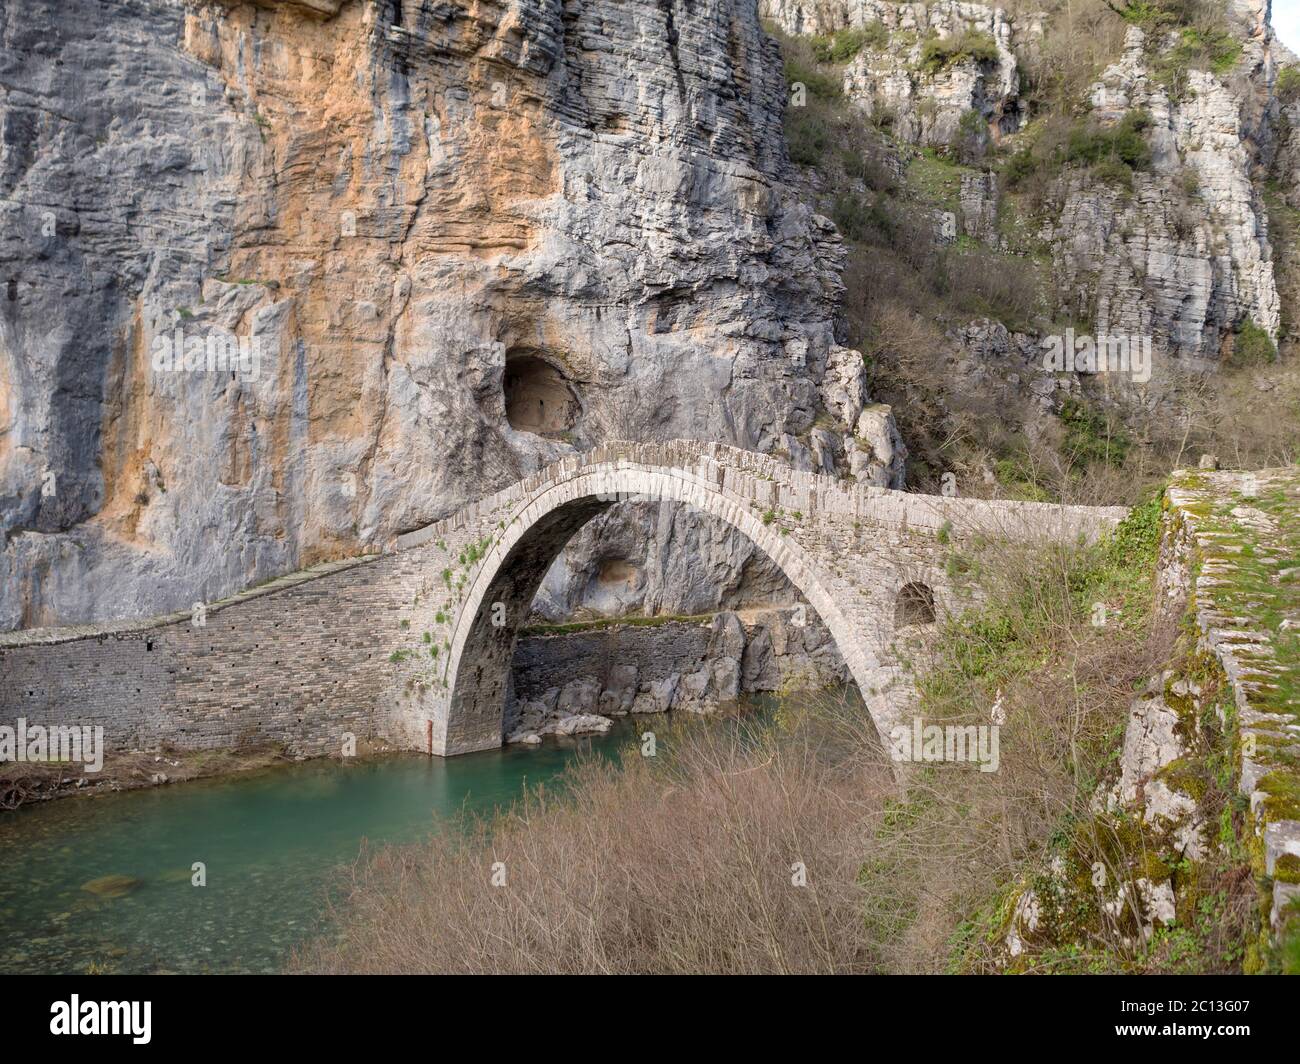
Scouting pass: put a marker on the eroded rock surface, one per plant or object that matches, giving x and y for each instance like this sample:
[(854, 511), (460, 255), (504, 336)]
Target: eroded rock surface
[(1185, 257), (561, 681), (428, 221)]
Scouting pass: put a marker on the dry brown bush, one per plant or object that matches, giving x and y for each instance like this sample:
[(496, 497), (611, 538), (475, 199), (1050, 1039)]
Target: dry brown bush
[(681, 866), (1081, 37)]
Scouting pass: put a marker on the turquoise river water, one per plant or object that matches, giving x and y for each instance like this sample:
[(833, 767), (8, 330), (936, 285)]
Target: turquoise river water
[(272, 842)]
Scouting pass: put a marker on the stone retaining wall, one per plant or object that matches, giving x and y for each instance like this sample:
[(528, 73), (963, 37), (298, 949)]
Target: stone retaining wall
[(1232, 552), (298, 661)]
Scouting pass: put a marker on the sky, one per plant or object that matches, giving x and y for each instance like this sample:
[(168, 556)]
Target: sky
[(1286, 23)]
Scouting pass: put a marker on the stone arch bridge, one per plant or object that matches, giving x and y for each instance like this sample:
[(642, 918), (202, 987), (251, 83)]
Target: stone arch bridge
[(415, 645)]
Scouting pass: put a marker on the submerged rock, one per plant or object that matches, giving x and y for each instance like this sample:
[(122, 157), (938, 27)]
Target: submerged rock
[(583, 724), (111, 886)]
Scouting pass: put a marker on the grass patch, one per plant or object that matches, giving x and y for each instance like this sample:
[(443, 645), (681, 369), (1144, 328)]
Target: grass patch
[(843, 45), (935, 179), (601, 623)]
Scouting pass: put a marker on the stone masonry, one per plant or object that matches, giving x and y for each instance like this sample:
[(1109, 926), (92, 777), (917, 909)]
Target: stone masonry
[(1232, 550), (415, 644)]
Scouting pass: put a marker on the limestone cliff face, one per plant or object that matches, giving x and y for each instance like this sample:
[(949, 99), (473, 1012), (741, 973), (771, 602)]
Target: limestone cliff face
[(890, 79), (454, 240), (1187, 257), (1183, 255)]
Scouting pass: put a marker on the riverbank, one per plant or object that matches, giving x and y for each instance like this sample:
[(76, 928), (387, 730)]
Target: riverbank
[(25, 783)]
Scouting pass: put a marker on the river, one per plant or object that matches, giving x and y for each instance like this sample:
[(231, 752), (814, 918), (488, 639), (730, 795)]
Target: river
[(272, 842)]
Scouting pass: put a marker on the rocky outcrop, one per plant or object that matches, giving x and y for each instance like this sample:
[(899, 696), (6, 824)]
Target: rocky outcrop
[(1181, 250), (789, 649), (875, 453), (930, 73), (1287, 162), (1184, 257), (648, 559), (1152, 824), (575, 682), (455, 243), (979, 206), (1156, 740)]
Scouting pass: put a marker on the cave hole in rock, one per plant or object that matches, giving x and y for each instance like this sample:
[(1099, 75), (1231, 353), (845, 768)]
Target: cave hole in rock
[(914, 605), (616, 571), (539, 398)]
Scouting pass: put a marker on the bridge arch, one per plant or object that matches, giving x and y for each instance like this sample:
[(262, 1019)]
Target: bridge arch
[(506, 581)]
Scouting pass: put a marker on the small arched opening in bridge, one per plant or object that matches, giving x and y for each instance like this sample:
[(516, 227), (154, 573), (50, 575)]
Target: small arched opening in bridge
[(538, 397), (501, 594), (914, 605)]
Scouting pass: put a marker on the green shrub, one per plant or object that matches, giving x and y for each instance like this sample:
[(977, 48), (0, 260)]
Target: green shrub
[(972, 124), (807, 136), (843, 45), (1019, 168), (1288, 85), (818, 84), (1113, 172), (1113, 153), (1252, 346), (1089, 436), (860, 221), (1124, 142), (1012, 473), (1220, 49), (1154, 15), (1196, 49), (1143, 13), (939, 52)]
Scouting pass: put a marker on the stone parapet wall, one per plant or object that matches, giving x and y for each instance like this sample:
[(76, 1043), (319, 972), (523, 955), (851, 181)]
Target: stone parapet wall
[(754, 479)]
